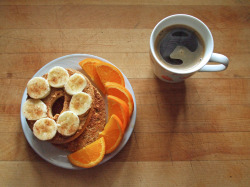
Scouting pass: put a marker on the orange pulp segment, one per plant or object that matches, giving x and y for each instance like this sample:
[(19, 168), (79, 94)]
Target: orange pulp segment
[(120, 109), (109, 73), (121, 92), (88, 65), (89, 156), (112, 134)]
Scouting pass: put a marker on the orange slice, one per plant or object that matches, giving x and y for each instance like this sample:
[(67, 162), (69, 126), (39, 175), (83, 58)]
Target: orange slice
[(112, 134), (121, 92), (109, 73), (89, 156), (120, 109), (88, 65)]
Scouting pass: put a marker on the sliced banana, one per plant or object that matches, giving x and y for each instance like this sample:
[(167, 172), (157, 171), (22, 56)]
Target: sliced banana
[(45, 129), (57, 77), (75, 84), (38, 88), (34, 109), (80, 103), (68, 123)]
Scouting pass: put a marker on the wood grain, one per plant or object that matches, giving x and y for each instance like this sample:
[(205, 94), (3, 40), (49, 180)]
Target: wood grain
[(195, 133), (139, 61), (99, 40), (158, 146), (122, 2), (188, 173), (139, 17)]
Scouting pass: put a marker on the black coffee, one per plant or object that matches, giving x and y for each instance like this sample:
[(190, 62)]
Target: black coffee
[(179, 47)]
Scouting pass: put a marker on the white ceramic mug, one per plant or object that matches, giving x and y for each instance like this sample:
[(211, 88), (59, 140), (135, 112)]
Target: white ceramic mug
[(174, 75)]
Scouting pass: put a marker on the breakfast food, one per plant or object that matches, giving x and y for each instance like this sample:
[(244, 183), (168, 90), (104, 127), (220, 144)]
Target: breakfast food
[(38, 88), (89, 156), (96, 124), (89, 66), (57, 77), (66, 109), (68, 123), (112, 134), (109, 73), (34, 109), (122, 93), (120, 109), (75, 84), (80, 103), (45, 128)]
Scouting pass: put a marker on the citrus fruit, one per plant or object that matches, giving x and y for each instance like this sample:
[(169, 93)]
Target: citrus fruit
[(121, 92), (112, 134), (88, 65), (89, 156), (109, 73), (120, 109)]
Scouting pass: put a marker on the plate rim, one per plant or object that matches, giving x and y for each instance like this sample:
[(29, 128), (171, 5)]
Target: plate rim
[(107, 157)]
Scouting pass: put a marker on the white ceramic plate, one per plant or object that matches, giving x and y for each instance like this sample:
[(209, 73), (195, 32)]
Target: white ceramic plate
[(46, 150)]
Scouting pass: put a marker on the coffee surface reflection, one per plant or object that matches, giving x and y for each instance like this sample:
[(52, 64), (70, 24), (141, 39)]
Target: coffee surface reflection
[(179, 47)]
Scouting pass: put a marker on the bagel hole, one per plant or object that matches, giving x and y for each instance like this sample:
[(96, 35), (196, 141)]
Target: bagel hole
[(58, 106)]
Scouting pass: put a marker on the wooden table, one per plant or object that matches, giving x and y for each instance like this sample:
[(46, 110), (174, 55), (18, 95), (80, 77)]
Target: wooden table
[(195, 133)]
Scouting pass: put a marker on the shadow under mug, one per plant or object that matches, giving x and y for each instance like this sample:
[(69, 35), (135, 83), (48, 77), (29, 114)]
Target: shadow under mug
[(174, 75)]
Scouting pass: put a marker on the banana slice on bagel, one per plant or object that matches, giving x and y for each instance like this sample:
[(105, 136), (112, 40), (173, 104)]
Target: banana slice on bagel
[(57, 77), (45, 129), (80, 103), (75, 84), (34, 109), (38, 88), (68, 123)]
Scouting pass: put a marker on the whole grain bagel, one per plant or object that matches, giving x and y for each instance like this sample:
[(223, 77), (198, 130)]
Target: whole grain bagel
[(58, 100), (93, 127)]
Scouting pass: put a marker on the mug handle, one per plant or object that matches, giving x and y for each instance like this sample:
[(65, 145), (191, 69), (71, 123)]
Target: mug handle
[(220, 59)]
